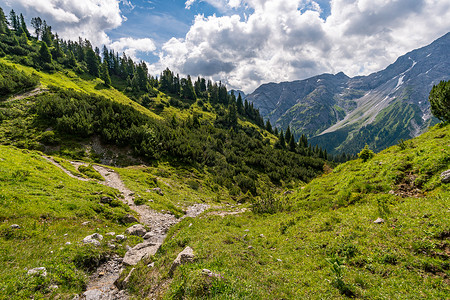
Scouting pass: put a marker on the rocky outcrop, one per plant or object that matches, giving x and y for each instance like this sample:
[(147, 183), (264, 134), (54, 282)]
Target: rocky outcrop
[(137, 229), (138, 252)]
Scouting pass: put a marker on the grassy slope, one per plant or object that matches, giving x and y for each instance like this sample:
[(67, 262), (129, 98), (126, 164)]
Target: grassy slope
[(407, 257), (50, 208), (70, 80)]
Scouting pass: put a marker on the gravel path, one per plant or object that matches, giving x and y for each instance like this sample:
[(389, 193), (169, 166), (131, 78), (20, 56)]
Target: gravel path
[(102, 282)]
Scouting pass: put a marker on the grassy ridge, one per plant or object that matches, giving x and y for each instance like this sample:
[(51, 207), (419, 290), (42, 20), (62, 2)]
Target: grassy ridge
[(325, 244)]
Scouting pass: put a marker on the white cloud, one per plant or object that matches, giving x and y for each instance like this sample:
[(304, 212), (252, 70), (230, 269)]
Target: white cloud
[(222, 5), (287, 39), (131, 46), (72, 19)]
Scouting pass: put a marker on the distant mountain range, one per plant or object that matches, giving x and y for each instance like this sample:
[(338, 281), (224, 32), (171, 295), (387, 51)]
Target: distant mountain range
[(340, 113)]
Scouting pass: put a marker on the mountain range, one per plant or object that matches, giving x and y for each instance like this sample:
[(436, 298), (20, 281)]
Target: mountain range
[(342, 114)]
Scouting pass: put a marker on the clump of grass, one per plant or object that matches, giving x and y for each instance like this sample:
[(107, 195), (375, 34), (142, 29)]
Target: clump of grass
[(90, 172)]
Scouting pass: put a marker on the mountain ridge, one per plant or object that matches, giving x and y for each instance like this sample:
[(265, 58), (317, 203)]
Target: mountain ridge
[(336, 107)]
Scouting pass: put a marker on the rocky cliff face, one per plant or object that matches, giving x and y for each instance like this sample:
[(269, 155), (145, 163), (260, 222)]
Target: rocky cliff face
[(342, 114)]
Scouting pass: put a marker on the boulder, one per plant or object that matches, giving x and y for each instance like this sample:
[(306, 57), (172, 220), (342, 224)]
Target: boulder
[(41, 271), (185, 256), (127, 219), (138, 252), (15, 226), (137, 229), (445, 176)]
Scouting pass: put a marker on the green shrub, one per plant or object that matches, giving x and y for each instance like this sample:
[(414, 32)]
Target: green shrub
[(366, 153)]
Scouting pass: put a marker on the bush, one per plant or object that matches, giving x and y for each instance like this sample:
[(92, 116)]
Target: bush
[(366, 153)]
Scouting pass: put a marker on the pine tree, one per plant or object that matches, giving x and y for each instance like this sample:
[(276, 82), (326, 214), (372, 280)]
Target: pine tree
[(292, 144), (104, 74), (269, 126), (37, 25), (288, 135), (47, 35), (23, 26), (4, 29), (240, 105), (44, 54), (14, 20), (92, 61)]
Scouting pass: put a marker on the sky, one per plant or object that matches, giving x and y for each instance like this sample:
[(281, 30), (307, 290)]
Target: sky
[(245, 43)]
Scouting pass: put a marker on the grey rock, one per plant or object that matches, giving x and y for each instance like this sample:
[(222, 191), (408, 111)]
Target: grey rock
[(112, 233), (127, 219), (68, 243), (184, 257), (120, 237), (15, 226), (93, 294), (138, 252), (41, 271), (53, 287), (85, 223), (445, 176), (148, 235), (379, 221), (137, 229), (125, 282), (93, 239), (106, 200), (250, 247), (158, 190)]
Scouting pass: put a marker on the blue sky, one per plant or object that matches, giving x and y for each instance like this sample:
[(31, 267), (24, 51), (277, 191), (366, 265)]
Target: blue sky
[(245, 43)]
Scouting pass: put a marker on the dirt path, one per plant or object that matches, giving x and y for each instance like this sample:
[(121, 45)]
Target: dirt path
[(101, 283), (33, 92)]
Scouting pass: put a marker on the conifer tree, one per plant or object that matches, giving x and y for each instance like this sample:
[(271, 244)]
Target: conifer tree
[(37, 25), (292, 144), (288, 135), (47, 35), (14, 20), (44, 54), (92, 61), (269, 126), (4, 29), (23, 26), (240, 105), (104, 74)]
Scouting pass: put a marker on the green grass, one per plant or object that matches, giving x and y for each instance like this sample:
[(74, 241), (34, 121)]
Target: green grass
[(50, 208), (326, 245)]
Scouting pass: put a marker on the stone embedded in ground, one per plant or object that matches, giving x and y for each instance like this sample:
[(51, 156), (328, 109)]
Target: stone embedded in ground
[(41, 271), (120, 237), (124, 283), (445, 176), (148, 235), (93, 239), (379, 221), (137, 229), (93, 294), (158, 190), (184, 257), (111, 233), (15, 226), (127, 219), (210, 273), (106, 200), (138, 252), (85, 223)]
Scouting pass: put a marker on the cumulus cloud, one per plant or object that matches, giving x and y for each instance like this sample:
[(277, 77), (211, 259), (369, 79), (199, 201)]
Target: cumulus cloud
[(287, 39), (131, 46), (219, 4), (72, 19)]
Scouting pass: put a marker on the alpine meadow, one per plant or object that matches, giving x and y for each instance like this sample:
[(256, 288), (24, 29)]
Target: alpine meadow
[(123, 177)]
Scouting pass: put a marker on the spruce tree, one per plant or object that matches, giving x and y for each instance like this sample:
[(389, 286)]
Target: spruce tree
[(269, 126), (4, 29), (14, 20), (44, 54), (37, 25), (240, 105), (23, 26), (104, 74)]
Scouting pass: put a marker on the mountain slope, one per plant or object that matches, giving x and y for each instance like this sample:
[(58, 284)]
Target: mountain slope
[(323, 240), (343, 106)]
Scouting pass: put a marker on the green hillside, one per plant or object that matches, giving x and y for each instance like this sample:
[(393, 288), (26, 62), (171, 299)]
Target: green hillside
[(322, 241)]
